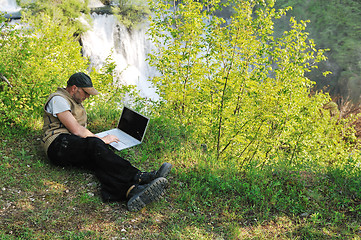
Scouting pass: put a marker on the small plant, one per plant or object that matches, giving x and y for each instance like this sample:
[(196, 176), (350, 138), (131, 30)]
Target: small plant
[(131, 13)]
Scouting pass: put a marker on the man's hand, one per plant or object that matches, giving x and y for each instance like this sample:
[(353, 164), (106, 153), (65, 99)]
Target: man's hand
[(75, 128), (109, 139)]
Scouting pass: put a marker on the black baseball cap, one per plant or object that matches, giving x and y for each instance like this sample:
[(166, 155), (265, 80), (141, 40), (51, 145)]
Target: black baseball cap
[(82, 80)]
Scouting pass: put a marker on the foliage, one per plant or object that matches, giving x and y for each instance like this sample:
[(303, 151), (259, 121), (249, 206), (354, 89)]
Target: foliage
[(243, 90), (67, 12), (35, 60), (335, 27), (131, 13)]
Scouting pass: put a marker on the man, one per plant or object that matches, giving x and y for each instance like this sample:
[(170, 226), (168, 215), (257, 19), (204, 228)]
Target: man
[(67, 142)]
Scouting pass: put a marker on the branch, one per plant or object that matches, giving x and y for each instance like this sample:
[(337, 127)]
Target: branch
[(221, 107), (230, 141), (2, 77), (252, 141)]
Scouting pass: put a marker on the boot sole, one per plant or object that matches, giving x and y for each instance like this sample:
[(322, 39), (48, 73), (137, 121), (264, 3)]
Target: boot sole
[(151, 193)]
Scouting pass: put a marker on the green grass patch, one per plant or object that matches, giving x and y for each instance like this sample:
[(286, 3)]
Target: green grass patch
[(204, 201)]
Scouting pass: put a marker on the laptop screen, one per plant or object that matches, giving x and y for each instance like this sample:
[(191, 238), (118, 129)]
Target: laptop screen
[(133, 123)]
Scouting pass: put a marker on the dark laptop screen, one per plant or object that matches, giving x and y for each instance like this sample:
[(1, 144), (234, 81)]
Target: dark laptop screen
[(133, 123)]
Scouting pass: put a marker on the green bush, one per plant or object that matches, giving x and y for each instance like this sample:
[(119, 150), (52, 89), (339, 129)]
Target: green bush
[(35, 59), (243, 90)]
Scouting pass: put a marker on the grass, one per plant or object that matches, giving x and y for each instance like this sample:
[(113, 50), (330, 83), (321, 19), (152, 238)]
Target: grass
[(41, 201)]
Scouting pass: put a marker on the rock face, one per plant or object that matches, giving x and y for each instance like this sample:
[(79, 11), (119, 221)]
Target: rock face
[(13, 15), (102, 10)]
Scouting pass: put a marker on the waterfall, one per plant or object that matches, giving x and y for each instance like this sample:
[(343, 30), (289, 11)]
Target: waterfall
[(11, 10), (9, 6), (128, 49), (106, 37)]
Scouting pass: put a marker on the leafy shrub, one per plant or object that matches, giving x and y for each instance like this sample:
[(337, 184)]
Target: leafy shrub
[(243, 90), (35, 59)]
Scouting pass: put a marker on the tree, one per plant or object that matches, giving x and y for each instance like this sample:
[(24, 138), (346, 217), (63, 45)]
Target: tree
[(242, 90)]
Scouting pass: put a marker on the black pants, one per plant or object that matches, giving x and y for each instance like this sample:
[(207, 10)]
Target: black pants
[(115, 174)]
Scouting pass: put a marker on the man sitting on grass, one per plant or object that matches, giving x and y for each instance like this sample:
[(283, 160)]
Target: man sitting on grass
[(67, 142)]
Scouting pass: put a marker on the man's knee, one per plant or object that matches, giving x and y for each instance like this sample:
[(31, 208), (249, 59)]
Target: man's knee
[(95, 141), (97, 145)]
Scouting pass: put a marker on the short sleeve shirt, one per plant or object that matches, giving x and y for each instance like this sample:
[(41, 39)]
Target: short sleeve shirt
[(57, 104)]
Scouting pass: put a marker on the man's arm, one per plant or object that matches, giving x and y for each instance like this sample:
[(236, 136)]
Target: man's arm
[(72, 124), (75, 128)]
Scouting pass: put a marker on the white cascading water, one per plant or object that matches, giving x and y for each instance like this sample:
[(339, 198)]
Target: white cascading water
[(107, 38), (9, 6), (127, 49)]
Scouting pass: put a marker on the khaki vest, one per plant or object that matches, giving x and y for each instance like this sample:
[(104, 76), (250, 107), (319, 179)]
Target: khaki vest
[(52, 125)]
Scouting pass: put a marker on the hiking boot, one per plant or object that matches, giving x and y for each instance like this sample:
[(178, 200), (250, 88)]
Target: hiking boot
[(147, 177), (141, 195)]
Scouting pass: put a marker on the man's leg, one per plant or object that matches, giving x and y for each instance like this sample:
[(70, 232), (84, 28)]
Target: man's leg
[(115, 174)]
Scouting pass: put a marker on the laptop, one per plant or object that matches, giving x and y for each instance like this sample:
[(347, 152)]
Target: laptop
[(130, 130)]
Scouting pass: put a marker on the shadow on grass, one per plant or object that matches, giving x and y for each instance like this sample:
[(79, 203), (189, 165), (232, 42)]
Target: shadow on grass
[(41, 201)]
